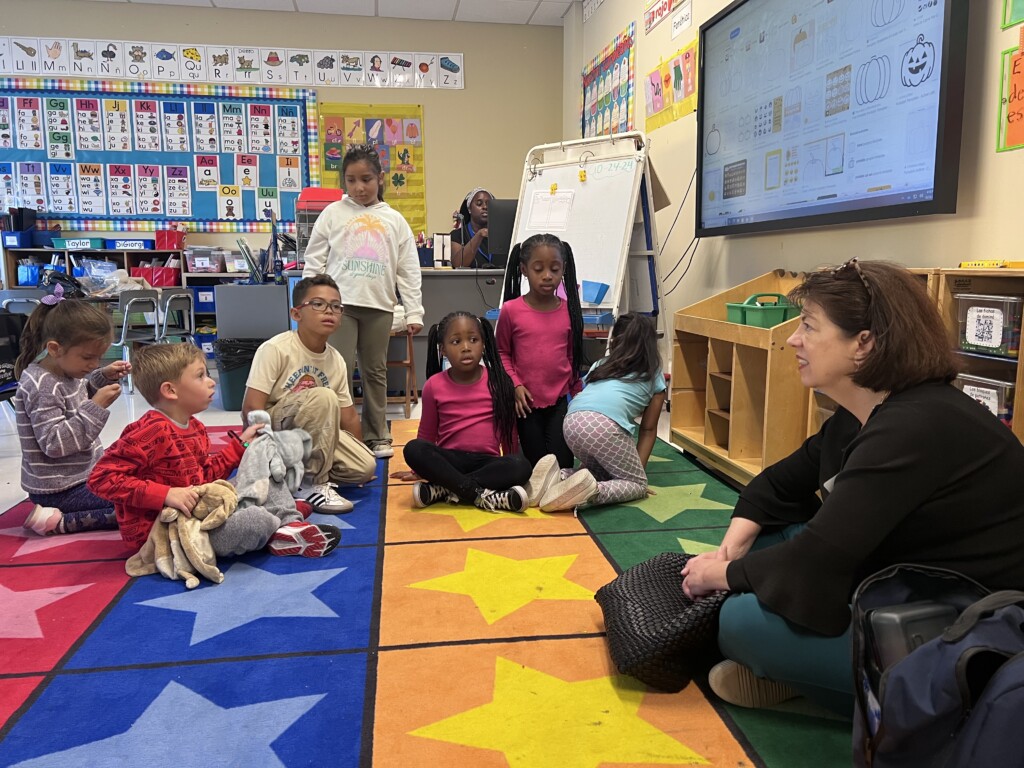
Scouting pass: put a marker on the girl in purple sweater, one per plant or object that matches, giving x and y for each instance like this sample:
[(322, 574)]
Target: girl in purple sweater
[(61, 407), (464, 450), (540, 340)]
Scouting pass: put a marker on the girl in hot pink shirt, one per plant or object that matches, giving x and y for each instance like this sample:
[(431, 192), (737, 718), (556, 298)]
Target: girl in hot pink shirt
[(540, 340), (463, 451)]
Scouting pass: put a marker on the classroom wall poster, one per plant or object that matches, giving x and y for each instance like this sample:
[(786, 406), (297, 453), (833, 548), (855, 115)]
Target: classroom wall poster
[(396, 132), (191, 63), (670, 90), (656, 11), (1011, 102), (125, 157), (608, 88), (1013, 12)]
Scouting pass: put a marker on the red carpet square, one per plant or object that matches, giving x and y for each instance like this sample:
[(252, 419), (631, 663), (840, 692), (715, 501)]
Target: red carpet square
[(19, 546)]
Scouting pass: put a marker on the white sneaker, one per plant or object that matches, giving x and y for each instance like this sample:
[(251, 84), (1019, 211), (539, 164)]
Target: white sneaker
[(545, 474), (326, 500), (569, 493), (382, 449), (42, 520)]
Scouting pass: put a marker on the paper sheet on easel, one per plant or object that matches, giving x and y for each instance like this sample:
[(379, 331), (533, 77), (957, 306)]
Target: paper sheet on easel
[(549, 211)]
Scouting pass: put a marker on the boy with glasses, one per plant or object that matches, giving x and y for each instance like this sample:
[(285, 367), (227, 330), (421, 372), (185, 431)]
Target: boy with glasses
[(302, 382)]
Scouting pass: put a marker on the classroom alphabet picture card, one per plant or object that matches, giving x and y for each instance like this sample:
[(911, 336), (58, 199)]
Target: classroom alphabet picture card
[(193, 63), (149, 189), (289, 174), (60, 185), (121, 189), (138, 61), (205, 129), (220, 64), (166, 61), (31, 186), (426, 70), (268, 203), (88, 125), (25, 52), (247, 172), (92, 189), (229, 202), (325, 67), (84, 58), (273, 66), (6, 122), (117, 125), (28, 122), (401, 69), (174, 125), (246, 64), (350, 66), (299, 66), (6, 62), (233, 123), (450, 70), (207, 168), (413, 131), (178, 190), (376, 70)]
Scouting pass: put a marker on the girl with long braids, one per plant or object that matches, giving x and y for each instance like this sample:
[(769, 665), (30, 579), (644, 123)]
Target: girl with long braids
[(540, 340), (465, 449), (61, 408)]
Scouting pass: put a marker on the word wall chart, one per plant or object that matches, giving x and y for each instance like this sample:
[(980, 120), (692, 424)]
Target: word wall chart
[(133, 156)]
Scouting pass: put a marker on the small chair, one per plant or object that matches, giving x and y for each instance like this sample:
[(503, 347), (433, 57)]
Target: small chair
[(181, 303), (128, 303), (409, 363), (411, 395)]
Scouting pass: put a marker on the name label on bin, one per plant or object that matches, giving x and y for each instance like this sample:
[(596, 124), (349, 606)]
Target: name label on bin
[(72, 245), (129, 245)]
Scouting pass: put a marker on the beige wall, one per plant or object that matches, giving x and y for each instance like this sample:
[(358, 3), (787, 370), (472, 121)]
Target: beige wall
[(989, 204), (478, 136)]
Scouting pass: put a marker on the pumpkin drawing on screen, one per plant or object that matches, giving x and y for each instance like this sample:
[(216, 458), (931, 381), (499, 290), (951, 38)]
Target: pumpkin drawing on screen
[(885, 12), (873, 80), (918, 63)]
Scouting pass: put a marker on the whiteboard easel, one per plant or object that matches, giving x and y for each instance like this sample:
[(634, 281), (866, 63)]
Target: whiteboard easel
[(596, 195)]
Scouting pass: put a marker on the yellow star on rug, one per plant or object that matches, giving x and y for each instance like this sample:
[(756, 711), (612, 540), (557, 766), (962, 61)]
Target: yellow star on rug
[(675, 500), (692, 547), (502, 585), (470, 518), (541, 721)]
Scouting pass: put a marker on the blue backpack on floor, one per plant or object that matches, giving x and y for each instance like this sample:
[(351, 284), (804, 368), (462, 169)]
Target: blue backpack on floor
[(932, 690)]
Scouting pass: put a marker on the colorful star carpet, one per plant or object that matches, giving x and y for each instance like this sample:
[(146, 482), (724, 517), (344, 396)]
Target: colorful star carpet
[(430, 637)]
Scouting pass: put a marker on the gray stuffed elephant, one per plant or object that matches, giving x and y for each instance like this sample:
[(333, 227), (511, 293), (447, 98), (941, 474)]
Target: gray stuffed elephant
[(272, 466)]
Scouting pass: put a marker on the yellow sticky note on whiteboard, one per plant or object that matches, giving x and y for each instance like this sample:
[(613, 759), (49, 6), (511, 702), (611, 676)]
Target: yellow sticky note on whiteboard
[(583, 174), (554, 188)]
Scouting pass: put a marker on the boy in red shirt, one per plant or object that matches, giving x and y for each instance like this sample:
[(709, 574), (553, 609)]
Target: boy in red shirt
[(159, 459)]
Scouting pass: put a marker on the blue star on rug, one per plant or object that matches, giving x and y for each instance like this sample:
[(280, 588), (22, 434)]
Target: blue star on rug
[(215, 735), (248, 594)]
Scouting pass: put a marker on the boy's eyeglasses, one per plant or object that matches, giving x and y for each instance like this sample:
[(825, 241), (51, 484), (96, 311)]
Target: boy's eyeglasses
[(319, 305)]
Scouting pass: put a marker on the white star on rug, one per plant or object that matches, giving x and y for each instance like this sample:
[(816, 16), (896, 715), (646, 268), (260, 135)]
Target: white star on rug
[(19, 609), (214, 736), (36, 543), (246, 595)]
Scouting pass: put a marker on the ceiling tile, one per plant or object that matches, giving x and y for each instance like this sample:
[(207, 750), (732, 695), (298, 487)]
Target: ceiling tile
[(496, 11), (550, 13), (344, 7), (435, 10), (203, 3), (256, 5)]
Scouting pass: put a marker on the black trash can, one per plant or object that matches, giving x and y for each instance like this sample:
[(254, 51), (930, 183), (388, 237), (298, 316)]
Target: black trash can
[(234, 359)]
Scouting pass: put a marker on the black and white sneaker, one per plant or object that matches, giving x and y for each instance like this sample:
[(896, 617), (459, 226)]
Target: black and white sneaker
[(512, 500), (424, 494)]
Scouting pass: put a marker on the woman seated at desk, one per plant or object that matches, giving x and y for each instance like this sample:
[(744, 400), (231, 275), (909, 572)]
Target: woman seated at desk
[(469, 239)]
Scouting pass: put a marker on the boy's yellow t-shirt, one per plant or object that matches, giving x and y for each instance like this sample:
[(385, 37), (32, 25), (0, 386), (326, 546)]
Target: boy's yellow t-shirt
[(283, 364)]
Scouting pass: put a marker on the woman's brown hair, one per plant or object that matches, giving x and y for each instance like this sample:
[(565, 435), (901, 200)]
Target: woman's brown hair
[(910, 341)]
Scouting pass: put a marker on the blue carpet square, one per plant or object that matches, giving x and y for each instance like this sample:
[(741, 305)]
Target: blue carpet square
[(266, 605), (361, 526), (273, 712)]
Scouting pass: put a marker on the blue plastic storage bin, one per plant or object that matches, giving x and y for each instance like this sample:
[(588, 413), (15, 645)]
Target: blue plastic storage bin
[(204, 298), (593, 293), (207, 343), (43, 238), (492, 314), (18, 239)]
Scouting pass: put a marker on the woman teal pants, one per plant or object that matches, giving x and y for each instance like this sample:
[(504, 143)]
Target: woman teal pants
[(816, 666)]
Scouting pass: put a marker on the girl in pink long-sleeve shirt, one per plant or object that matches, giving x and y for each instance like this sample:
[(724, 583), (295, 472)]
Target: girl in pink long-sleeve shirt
[(540, 340), (464, 450)]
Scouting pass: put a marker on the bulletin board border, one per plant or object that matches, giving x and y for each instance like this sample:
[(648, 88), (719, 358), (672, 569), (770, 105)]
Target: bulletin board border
[(307, 95), (1006, 61)]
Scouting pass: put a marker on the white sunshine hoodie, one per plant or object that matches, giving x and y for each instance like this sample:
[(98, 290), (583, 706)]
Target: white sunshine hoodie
[(367, 250)]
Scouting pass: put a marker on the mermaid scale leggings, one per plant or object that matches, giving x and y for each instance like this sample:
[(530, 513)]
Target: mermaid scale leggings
[(609, 452)]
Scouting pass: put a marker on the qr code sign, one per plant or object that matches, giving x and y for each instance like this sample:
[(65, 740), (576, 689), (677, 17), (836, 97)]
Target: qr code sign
[(984, 326)]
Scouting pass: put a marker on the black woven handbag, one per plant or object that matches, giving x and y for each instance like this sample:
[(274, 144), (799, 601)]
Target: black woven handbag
[(655, 632)]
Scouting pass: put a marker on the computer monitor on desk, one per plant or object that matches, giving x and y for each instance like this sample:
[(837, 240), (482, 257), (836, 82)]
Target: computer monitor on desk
[(501, 218)]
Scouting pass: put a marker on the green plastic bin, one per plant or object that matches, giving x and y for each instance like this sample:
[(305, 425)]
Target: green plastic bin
[(762, 310)]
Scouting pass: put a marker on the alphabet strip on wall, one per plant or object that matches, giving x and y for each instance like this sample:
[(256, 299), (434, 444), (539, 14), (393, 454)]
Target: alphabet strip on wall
[(227, 64)]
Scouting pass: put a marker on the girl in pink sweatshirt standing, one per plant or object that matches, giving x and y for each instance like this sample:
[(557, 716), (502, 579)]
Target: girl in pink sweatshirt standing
[(540, 340), (464, 451)]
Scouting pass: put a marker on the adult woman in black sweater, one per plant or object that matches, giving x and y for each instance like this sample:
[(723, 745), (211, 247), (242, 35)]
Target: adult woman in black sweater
[(909, 469)]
